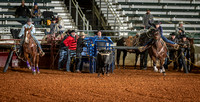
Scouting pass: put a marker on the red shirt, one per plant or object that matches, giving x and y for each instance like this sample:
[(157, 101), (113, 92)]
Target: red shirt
[(70, 42)]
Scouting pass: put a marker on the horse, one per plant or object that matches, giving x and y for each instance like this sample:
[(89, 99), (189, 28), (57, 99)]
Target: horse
[(138, 40), (158, 51), (30, 50), (121, 42)]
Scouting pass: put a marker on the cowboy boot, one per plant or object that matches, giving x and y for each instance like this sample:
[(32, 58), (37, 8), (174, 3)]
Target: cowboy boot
[(41, 52)]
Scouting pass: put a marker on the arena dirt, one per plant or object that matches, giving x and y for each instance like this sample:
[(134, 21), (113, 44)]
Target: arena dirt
[(19, 84)]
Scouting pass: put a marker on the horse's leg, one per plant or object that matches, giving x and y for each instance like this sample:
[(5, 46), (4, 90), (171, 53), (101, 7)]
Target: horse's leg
[(145, 59), (154, 64), (136, 58), (33, 63), (118, 57), (28, 65), (28, 59), (124, 58), (141, 60), (162, 69), (37, 62)]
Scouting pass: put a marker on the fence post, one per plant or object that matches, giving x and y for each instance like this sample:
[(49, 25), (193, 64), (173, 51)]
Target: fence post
[(76, 13)]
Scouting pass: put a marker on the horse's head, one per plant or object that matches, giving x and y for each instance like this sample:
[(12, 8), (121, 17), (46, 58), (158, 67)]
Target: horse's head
[(156, 34), (27, 32)]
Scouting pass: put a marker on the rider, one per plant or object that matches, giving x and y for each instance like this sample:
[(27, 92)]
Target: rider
[(21, 35), (157, 26)]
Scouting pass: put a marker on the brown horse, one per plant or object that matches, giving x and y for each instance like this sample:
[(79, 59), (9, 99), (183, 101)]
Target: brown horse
[(158, 51), (30, 51)]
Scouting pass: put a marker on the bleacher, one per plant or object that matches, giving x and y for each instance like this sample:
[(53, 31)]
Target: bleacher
[(8, 20), (169, 12)]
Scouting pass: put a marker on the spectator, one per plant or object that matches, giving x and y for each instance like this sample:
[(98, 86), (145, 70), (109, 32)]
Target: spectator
[(53, 26), (60, 25), (22, 12), (147, 19), (184, 48), (79, 49), (70, 42), (172, 53), (35, 12), (63, 52), (180, 30)]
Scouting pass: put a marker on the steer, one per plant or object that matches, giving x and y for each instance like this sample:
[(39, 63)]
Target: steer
[(104, 61)]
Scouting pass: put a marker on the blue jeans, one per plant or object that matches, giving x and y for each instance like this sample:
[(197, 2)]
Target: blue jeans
[(78, 61), (71, 53), (62, 58), (164, 39)]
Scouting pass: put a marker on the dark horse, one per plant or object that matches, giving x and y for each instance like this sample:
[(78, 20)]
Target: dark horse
[(30, 51), (138, 40), (158, 51)]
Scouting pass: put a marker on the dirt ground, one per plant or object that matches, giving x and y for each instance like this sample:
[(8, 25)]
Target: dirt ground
[(19, 84)]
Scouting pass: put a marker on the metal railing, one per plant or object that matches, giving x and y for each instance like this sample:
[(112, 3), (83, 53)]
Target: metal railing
[(81, 14), (100, 18), (109, 6)]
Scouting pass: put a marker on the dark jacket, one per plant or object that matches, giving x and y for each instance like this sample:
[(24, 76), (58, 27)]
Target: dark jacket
[(80, 45), (23, 11), (184, 44), (62, 45)]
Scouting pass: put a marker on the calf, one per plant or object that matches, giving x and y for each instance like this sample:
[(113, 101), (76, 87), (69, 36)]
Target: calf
[(104, 61)]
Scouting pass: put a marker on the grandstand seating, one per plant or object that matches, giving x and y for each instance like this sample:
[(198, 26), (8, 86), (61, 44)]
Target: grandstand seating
[(8, 20), (169, 12)]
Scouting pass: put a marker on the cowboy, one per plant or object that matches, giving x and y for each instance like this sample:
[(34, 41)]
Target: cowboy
[(172, 53), (79, 49), (180, 30), (183, 51), (70, 42), (147, 19), (157, 26), (63, 52), (21, 35)]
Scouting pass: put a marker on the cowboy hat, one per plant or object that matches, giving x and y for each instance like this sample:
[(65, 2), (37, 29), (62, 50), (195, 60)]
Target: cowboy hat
[(29, 20)]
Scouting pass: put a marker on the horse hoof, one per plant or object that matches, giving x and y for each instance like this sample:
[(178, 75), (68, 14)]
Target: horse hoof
[(29, 67), (155, 69), (108, 74), (34, 73), (164, 74), (38, 72)]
